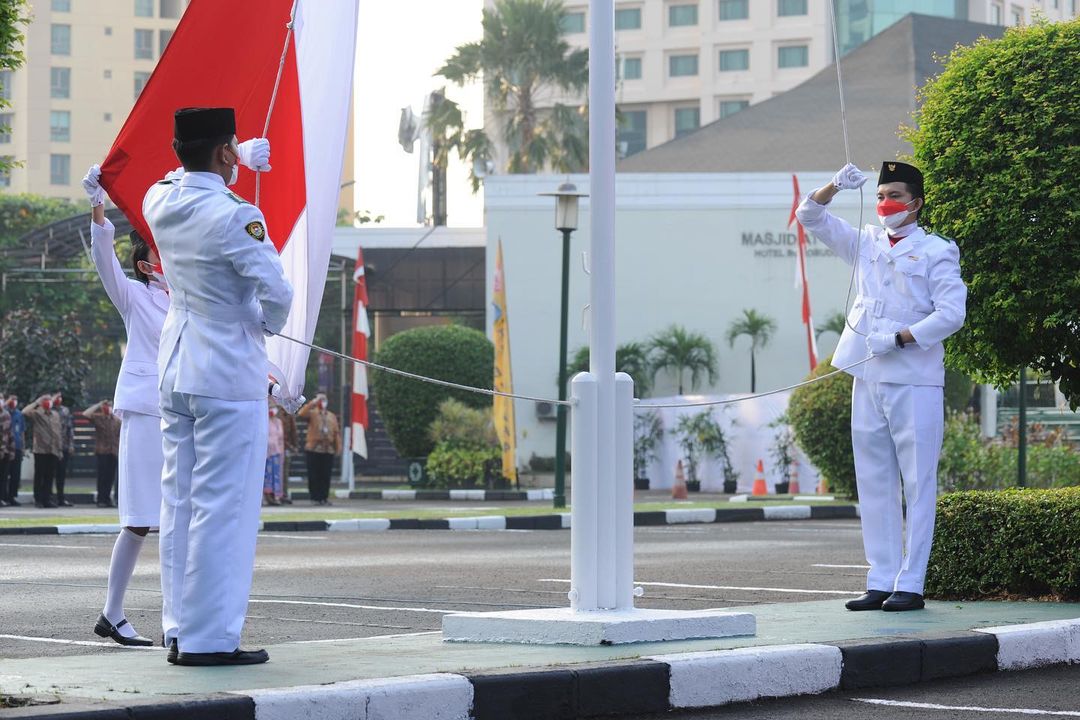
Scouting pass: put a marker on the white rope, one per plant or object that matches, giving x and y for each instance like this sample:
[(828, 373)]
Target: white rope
[(277, 84)]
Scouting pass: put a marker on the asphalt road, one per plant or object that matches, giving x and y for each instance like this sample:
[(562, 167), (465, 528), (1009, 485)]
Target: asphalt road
[(346, 585)]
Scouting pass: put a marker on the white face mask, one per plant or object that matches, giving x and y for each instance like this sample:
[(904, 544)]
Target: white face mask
[(235, 174)]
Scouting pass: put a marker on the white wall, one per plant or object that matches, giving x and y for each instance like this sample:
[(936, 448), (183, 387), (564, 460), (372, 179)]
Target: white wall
[(681, 258)]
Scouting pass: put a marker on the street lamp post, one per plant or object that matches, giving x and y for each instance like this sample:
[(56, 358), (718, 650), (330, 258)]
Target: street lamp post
[(566, 220)]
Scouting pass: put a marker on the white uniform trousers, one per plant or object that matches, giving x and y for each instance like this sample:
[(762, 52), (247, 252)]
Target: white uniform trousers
[(215, 457), (139, 493), (896, 430)]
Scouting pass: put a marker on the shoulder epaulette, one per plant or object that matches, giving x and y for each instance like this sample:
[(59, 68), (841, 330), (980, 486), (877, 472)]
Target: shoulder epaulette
[(236, 198), (164, 182)]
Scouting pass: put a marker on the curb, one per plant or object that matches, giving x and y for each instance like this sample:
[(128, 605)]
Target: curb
[(558, 521), (659, 683), (88, 498)]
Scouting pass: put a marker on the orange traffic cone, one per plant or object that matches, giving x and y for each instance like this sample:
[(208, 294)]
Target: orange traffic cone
[(678, 490), (759, 481), (823, 486), (793, 486)]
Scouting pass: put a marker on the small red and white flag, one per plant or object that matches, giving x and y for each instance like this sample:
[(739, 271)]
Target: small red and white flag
[(800, 277), (361, 333)]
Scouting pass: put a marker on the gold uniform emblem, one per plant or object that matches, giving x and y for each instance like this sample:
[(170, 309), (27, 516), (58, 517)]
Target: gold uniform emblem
[(256, 230), (892, 167)]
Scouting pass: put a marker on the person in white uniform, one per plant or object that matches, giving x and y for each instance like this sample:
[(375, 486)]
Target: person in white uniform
[(142, 303), (227, 286), (910, 298)]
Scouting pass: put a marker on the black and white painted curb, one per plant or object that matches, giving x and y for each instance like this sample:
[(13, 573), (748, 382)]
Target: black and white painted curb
[(556, 521), (535, 494), (651, 684)]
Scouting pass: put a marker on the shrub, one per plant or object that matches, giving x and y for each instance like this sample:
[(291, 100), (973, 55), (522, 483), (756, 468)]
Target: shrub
[(820, 415), (546, 463), (444, 352), (1006, 543), (468, 466), (701, 437), (459, 425)]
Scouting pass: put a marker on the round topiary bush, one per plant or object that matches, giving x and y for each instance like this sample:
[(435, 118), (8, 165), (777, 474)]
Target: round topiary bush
[(444, 352), (821, 418)]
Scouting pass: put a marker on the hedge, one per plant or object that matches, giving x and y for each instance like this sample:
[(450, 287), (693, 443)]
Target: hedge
[(444, 352), (1006, 543), (821, 418)]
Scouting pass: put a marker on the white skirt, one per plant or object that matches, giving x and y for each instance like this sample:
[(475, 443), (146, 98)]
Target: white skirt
[(140, 463)]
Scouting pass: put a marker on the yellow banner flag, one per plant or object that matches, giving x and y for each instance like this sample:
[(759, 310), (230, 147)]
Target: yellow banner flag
[(504, 406)]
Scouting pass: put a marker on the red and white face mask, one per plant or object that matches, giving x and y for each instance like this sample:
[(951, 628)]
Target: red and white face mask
[(46, 405), (892, 213)]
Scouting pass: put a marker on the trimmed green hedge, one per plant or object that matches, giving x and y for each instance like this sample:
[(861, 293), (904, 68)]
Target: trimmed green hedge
[(1006, 543), (820, 415), (444, 352)]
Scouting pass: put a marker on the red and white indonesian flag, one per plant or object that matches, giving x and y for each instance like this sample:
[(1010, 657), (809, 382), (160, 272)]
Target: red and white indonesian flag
[(228, 54), (800, 277), (361, 333)]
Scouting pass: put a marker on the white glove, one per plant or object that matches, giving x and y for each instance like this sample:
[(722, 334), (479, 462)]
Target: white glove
[(92, 186), (881, 343), (255, 154), (288, 404), (848, 177)]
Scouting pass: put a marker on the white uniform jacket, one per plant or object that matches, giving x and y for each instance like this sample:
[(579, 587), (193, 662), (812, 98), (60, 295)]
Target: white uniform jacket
[(225, 281), (915, 285), (143, 309)]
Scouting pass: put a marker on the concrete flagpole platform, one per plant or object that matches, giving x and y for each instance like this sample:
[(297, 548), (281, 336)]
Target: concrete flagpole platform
[(800, 648)]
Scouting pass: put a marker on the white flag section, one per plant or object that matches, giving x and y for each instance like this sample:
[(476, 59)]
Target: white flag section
[(325, 36)]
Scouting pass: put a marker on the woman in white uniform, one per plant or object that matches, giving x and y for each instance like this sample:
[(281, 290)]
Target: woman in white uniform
[(143, 304)]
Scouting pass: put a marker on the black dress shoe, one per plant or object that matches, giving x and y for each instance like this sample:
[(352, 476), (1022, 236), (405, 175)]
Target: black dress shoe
[(870, 600), (65, 503), (13, 502), (236, 657), (900, 601), (106, 629), (174, 652), (49, 505)]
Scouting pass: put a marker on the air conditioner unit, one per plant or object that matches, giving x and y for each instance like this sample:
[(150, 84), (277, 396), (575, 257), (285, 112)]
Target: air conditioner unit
[(546, 410)]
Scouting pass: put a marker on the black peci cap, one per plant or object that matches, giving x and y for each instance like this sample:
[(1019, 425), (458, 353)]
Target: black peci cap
[(195, 124), (893, 171)]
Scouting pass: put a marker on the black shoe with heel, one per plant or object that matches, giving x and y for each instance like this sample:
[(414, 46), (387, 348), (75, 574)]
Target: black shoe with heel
[(104, 628)]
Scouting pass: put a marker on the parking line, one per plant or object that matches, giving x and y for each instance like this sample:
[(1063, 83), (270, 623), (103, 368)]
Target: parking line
[(356, 607), (46, 545), (853, 567), (89, 643), (967, 708), (797, 591)]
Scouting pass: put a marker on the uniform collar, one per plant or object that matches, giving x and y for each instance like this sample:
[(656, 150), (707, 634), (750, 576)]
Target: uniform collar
[(204, 180), (907, 243), (159, 296)]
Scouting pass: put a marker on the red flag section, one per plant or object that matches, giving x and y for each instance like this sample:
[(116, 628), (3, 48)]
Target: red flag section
[(221, 55), (361, 331), (808, 321)]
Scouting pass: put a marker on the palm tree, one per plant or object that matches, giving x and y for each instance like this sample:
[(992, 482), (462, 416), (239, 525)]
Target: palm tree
[(679, 350), (760, 329), (631, 358), (521, 57), (834, 323)]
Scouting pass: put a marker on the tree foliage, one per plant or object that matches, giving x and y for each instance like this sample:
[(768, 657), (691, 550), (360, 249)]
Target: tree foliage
[(522, 59), (14, 17), (820, 415), (444, 352), (998, 139), (36, 359), (631, 358), (680, 351)]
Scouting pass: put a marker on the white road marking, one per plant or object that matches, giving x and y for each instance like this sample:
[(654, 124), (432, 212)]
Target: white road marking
[(355, 607), (45, 545), (730, 587), (290, 537), (89, 643), (967, 708), (857, 567), (373, 637)]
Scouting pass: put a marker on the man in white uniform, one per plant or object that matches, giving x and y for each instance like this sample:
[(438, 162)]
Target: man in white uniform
[(910, 298), (227, 285)]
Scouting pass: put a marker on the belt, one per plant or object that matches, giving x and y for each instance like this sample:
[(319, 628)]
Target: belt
[(879, 308), (221, 312)]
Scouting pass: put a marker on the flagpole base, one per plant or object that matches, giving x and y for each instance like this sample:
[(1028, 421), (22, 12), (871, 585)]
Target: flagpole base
[(564, 626)]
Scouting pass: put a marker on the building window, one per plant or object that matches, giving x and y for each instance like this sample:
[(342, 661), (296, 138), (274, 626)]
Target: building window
[(1017, 16), (141, 78), (144, 8), (61, 39), (5, 84), (683, 65), (734, 9), (687, 120), (632, 132), (734, 60), (793, 56), (628, 19), (995, 15), (573, 23), (61, 5), (5, 127), (108, 30), (170, 9), (791, 7), (144, 44), (631, 68), (108, 74), (730, 107), (60, 82), (59, 169), (164, 36), (5, 173), (108, 117), (60, 126), (682, 15)]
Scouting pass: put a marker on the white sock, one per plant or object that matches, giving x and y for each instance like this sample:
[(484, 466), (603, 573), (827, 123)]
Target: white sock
[(121, 567)]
